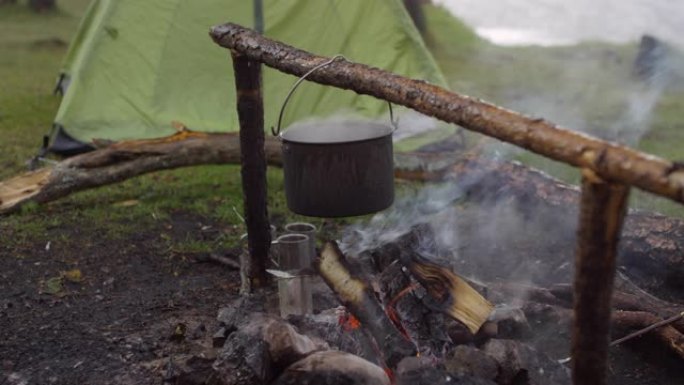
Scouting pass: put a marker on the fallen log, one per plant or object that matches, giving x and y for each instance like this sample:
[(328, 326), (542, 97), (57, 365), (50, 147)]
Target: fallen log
[(123, 160)]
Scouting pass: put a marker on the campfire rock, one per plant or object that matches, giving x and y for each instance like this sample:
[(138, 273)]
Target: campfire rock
[(521, 364), (333, 368), (326, 326), (469, 361), (240, 310), (511, 323), (429, 371), (259, 349)]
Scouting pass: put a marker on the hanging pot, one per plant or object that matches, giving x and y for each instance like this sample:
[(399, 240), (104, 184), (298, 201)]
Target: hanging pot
[(337, 169)]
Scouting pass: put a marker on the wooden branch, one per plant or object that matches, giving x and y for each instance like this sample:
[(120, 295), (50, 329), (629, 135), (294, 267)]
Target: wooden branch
[(622, 322), (121, 161), (355, 294), (250, 108), (610, 161), (603, 208)]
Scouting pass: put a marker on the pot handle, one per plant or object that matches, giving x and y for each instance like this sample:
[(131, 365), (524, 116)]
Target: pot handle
[(276, 130)]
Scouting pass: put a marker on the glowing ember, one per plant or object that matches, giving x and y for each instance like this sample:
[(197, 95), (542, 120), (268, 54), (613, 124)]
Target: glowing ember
[(348, 321)]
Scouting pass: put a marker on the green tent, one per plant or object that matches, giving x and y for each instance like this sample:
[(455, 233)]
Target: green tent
[(136, 66)]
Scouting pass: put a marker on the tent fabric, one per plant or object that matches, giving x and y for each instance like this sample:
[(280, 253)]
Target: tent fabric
[(136, 66)]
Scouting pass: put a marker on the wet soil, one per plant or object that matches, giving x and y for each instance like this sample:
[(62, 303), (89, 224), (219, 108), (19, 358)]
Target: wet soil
[(135, 306)]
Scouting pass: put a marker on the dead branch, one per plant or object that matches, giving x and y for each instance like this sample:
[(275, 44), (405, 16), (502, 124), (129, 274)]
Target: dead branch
[(667, 335), (121, 161), (610, 161)]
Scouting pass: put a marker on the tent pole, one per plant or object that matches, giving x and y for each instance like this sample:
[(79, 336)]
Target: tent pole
[(253, 161), (259, 16)]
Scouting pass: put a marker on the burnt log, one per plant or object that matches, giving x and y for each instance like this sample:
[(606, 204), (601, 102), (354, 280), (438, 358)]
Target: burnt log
[(358, 297)]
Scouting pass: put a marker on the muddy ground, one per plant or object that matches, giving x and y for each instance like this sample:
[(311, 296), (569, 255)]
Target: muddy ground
[(121, 320)]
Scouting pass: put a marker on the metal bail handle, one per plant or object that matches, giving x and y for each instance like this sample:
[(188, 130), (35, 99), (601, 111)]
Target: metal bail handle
[(276, 131)]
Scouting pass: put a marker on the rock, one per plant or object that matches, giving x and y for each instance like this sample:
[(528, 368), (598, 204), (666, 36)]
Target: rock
[(219, 338), (470, 361), (511, 322), (521, 364), (240, 310), (260, 349), (333, 368), (326, 326), (427, 371)]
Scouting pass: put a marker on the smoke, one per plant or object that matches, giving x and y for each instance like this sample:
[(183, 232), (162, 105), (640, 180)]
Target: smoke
[(485, 238)]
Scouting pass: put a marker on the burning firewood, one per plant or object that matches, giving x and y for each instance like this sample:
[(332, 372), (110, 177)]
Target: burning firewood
[(452, 293), (360, 300)]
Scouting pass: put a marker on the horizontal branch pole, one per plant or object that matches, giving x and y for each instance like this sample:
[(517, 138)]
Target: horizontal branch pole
[(610, 161)]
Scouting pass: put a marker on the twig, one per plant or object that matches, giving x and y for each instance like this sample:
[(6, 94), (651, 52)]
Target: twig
[(648, 329), (219, 259)]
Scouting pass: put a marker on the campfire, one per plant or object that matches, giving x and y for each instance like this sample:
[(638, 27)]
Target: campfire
[(390, 307)]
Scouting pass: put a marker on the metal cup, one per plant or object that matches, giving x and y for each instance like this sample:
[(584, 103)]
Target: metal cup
[(293, 253), (304, 228)]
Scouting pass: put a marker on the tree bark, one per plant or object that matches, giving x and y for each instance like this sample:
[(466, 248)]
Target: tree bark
[(603, 207), (250, 108), (609, 161)]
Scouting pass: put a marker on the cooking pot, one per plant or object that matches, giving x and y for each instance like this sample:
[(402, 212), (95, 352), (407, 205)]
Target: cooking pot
[(337, 168)]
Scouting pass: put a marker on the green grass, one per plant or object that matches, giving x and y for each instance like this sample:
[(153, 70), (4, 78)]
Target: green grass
[(586, 87), (587, 80)]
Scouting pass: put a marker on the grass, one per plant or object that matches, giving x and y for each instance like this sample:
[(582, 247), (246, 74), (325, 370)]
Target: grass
[(586, 81), (586, 87)]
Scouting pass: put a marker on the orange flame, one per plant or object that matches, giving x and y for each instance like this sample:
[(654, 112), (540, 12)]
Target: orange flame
[(349, 322)]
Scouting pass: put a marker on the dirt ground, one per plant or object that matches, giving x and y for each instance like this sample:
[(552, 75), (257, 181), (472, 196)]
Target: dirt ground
[(93, 311)]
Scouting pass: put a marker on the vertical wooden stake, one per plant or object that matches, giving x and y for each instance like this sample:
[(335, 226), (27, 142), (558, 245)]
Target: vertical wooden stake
[(602, 211), (253, 160)]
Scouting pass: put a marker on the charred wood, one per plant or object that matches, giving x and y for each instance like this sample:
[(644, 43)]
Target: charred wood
[(358, 297)]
